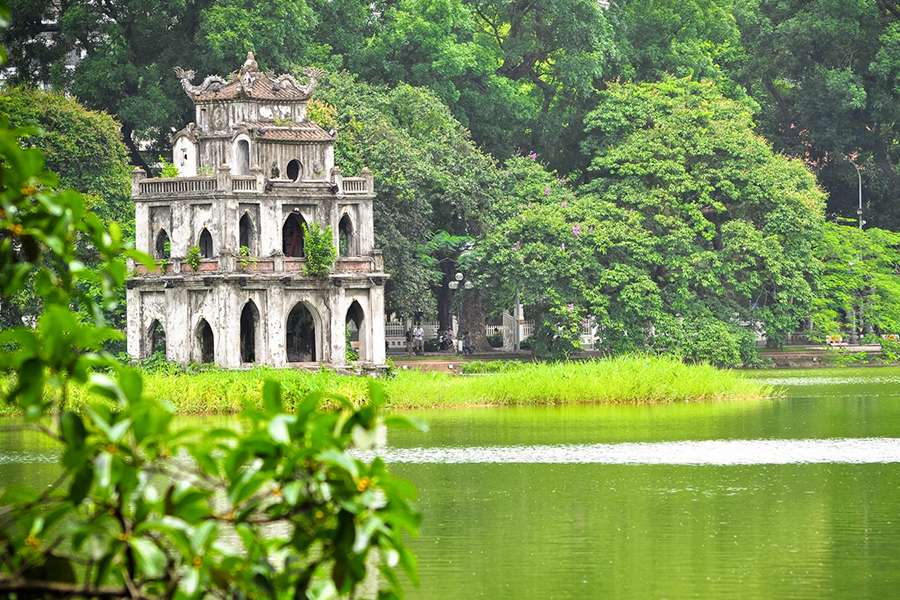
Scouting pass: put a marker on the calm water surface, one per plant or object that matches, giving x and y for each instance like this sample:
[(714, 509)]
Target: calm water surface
[(792, 498)]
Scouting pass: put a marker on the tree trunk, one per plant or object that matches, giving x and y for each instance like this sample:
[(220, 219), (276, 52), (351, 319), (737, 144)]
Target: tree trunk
[(136, 158), (445, 296), (472, 320)]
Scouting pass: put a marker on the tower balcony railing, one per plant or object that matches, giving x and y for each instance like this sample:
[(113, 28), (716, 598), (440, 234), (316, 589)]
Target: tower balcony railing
[(224, 182), (164, 186), (373, 263)]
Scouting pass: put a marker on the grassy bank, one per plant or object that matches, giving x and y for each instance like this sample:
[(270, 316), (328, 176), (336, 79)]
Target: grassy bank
[(622, 380)]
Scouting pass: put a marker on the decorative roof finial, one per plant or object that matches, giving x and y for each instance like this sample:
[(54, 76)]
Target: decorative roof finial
[(250, 63)]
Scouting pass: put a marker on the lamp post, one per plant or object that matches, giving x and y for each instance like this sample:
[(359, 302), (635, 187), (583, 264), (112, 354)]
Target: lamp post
[(460, 282), (859, 208)]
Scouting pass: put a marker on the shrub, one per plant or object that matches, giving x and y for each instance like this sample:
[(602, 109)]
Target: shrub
[(318, 248), (167, 169), (245, 258), (193, 258)]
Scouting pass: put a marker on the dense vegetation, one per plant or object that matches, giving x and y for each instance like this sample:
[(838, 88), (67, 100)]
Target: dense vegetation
[(622, 163), (690, 234)]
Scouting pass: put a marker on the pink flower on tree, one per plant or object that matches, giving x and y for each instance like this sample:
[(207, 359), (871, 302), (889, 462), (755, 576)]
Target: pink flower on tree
[(547, 190), (576, 229), (532, 155)]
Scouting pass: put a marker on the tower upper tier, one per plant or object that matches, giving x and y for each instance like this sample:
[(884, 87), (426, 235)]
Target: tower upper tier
[(253, 120)]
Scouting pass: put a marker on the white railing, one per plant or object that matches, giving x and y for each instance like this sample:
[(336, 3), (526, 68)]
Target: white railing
[(355, 185), (243, 184), (176, 185), (395, 331), (490, 330)]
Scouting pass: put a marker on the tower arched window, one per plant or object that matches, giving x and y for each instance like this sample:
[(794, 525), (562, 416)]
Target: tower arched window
[(242, 158), (162, 246), (294, 170), (346, 240), (249, 332), (205, 349), (206, 244), (247, 233), (292, 235)]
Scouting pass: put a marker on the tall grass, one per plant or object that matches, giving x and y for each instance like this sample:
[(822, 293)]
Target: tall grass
[(620, 380)]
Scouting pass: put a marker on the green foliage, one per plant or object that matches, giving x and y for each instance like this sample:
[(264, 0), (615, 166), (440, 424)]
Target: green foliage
[(167, 169), (351, 354), (246, 258), (859, 286), (193, 258), (688, 230), (631, 379), (83, 147), (274, 508), (826, 73), (318, 249), (430, 177)]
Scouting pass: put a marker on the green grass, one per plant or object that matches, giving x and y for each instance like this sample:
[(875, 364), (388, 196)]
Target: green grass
[(621, 380)]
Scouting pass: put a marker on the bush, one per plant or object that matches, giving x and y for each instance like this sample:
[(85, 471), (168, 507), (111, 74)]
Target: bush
[(193, 258), (167, 169), (318, 248), (495, 340)]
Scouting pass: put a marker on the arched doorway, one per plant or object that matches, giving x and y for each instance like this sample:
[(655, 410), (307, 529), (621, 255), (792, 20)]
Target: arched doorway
[(205, 345), (301, 335), (162, 245), (156, 336), (206, 244), (242, 158), (292, 235), (246, 235), (357, 336), (294, 170), (249, 328), (345, 237)]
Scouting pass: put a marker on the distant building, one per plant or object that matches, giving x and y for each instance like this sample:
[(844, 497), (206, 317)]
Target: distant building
[(252, 170)]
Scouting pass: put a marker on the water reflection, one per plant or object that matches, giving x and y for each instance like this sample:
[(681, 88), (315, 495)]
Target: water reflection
[(708, 452)]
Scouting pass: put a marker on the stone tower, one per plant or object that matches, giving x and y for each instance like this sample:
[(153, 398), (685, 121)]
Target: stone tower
[(227, 234)]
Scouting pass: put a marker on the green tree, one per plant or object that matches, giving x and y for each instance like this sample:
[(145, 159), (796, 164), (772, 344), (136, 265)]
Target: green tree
[(319, 250), (858, 290), (690, 227), (85, 150), (128, 49), (518, 74), (827, 76), (429, 177), (83, 147)]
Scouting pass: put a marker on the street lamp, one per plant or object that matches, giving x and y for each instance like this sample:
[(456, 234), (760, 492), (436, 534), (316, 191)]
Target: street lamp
[(859, 209)]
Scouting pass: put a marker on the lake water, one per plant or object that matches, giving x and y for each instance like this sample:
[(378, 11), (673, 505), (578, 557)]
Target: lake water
[(792, 498), (797, 497)]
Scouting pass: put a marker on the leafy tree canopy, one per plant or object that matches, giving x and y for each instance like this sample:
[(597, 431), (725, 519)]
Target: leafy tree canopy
[(431, 176), (690, 230), (859, 287), (83, 147), (826, 74), (129, 48)]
